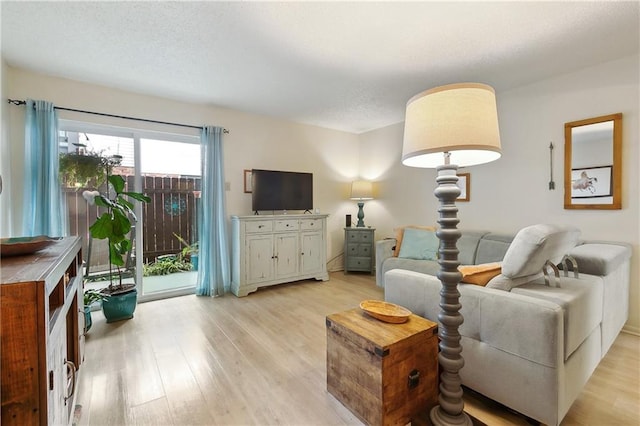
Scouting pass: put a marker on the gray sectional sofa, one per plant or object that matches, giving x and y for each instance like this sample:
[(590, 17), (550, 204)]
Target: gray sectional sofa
[(528, 344), (475, 247)]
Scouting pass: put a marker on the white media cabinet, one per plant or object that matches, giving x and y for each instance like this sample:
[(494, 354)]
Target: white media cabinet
[(275, 249)]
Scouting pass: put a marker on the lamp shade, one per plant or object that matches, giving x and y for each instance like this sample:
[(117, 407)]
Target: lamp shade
[(461, 119), (361, 190)]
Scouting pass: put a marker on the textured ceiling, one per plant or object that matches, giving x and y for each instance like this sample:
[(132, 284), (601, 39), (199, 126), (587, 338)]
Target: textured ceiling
[(349, 66)]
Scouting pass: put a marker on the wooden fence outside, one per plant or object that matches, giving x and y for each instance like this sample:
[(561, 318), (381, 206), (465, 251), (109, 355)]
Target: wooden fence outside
[(173, 207)]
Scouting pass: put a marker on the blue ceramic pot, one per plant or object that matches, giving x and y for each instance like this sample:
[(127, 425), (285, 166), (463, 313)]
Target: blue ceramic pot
[(87, 318), (121, 306)]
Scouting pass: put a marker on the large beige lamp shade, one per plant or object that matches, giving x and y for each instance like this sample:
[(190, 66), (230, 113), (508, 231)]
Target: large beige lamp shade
[(447, 127), (461, 119)]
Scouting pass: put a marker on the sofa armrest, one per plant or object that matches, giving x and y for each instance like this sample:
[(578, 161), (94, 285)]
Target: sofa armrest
[(600, 258), (384, 250)]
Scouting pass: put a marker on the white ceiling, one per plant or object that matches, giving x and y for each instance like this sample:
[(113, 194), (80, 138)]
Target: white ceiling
[(344, 65)]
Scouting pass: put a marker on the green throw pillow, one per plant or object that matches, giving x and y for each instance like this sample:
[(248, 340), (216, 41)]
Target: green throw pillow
[(419, 244)]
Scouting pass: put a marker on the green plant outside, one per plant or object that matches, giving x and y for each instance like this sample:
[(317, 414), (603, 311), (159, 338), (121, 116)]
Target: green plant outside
[(92, 295), (166, 265), (188, 249), (169, 264), (79, 169)]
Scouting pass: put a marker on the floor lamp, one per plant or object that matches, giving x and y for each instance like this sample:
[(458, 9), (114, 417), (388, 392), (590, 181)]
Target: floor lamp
[(447, 127)]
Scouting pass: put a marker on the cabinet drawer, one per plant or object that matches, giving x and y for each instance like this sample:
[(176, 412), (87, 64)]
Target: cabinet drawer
[(259, 226), (353, 237), (356, 249), (364, 250), (360, 236), (287, 225), (359, 263), (310, 224)]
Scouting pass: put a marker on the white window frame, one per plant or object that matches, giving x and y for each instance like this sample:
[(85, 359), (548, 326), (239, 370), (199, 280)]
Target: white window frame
[(136, 135)]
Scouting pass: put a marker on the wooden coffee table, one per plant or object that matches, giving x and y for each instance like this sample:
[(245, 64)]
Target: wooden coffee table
[(384, 373)]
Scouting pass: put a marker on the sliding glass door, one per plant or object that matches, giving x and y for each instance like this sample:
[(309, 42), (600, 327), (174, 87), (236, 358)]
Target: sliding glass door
[(170, 174), (166, 168)]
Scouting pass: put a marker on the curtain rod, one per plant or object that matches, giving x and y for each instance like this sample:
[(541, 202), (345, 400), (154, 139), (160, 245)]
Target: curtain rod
[(146, 120)]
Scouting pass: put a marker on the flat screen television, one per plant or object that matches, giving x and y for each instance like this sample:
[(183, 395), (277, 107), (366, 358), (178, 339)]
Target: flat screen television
[(278, 190)]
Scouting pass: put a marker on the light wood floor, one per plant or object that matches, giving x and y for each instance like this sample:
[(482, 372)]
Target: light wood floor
[(260, 360)]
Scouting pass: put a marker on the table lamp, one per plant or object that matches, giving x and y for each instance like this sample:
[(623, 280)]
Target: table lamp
[(446, 127), (361, 190)]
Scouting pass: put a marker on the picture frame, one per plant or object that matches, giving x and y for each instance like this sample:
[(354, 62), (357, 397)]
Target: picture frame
[(248, 189), (592, 182), (464, 183)]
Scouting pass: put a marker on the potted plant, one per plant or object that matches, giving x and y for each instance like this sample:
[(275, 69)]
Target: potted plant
[(91, 296), (189, 251), (77, 169), (114, 226)]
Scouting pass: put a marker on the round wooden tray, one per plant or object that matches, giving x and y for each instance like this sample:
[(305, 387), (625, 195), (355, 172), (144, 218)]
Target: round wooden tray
[(385, 311), (17, 246)]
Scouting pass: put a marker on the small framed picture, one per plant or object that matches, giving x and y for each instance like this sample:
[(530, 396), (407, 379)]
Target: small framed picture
[(464, 183), (592, 182), (247, 181)]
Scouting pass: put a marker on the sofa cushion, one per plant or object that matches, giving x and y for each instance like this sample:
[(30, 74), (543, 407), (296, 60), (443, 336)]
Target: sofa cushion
[(400, 235), (492, 248), (419, 244), (468, 246), (479, 274), (428, 267), (534, 245)]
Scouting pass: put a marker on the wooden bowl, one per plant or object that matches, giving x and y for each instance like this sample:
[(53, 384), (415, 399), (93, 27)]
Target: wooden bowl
[(17, 246), (385, 311)]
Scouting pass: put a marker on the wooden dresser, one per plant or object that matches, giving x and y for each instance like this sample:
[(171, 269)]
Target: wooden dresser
[(42, 334)]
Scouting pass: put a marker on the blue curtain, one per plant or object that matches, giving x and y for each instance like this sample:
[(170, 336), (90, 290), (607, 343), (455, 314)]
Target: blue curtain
[(44, 210), (214, 266)]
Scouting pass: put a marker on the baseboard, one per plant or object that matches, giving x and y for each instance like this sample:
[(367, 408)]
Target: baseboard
[(631, 330)]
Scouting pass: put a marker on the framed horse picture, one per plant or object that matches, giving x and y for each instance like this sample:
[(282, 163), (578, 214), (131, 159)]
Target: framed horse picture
[(592, 182)]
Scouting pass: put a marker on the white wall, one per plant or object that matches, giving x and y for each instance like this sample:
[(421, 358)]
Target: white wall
[(505, 195), (512, 192), (5, 163), (254, 142)]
